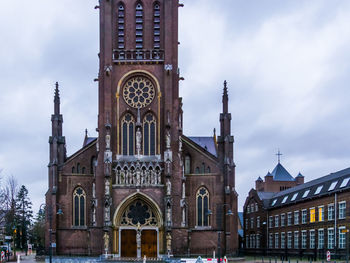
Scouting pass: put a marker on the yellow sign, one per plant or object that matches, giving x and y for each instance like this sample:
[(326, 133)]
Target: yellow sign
[(345, 230)]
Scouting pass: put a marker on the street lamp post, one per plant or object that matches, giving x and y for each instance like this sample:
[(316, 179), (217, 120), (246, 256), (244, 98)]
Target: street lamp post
[(229, 213), (49, 212)]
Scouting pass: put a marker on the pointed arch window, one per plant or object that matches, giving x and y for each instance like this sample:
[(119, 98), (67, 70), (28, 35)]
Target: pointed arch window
[(156, 26), (128, 134), (139, 26), (121, 26), (202, 200), (79, 207), (149, 135), (187, 164)]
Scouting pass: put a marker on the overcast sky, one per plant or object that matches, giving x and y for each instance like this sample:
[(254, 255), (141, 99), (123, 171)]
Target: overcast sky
[(286, 63)]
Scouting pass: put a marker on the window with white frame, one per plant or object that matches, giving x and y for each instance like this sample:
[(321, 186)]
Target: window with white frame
[(247, 241), (276, 220), (296, 239), (289, 219), (270, 240), (256, 207), (303, 239), (252, 208), (248, 209), (258, 222), (342, 208), (252, 222), (246, 223), (289, 240), (330, 238), (345, 182), (276, 240), (270, 221), (296, 217), (253, 240), (312, 239), (257, 241), (320, 239), (303, 216), (321, 213), (283, 219), (342, 234), (283, 240), (331, 212)]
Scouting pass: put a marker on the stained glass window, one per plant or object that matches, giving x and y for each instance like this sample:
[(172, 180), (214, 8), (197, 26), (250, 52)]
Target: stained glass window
[(79, 198), (202, 207), (128, 135), (149, 135)]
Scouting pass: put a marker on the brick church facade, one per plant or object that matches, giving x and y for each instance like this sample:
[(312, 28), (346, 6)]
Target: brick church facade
[(141, 187)]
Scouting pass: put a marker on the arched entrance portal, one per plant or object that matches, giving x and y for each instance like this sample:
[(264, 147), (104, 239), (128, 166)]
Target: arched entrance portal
[(137, 225)]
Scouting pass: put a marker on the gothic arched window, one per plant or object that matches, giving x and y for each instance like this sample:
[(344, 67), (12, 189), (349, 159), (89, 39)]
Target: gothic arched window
[(203, 168), (156, 26), (197, 170), (187, 164), (93, 164), (121, 26), (79, 206), (208, 170), (83, 170), (139, 26), (78, 168), (73, 170), (202, 200), (149, 135), (128, 127)]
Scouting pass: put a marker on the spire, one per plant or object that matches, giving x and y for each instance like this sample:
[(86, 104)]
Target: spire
[(225, 99), (57, 100), (214, 135)]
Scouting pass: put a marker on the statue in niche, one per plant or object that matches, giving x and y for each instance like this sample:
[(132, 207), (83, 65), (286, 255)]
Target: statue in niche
[(138, 141), (168, 216), (107, 185), (167, 139), (138, 177), (168, 242), (180, 144), (108, 141), (106, 241), (93, 190), (107, 209), (168, 187)]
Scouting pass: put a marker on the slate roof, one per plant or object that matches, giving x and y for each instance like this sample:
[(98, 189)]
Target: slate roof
[(281, 174), (334, 182), (89, 140), (206, 143), (240, 216)]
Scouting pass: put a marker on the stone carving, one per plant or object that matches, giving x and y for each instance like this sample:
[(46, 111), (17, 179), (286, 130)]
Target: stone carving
[(144, 176), (107, 186), (106, 242), (168, 243), (108, 141), (168, 187), (138, 141), (167, 139)]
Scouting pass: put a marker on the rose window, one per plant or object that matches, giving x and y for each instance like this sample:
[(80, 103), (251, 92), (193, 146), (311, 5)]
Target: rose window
[(138, 213), (138, 92)]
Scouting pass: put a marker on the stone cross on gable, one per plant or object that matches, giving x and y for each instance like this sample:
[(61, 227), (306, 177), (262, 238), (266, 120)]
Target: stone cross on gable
[(279, 154)]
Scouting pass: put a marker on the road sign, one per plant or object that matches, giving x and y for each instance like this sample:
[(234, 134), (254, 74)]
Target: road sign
[(345, 230), (328, 255), (8, 237), (53, 244), (2, 255)]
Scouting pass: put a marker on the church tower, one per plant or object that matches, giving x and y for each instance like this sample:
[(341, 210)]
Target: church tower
[(138, 124), (142, 187)]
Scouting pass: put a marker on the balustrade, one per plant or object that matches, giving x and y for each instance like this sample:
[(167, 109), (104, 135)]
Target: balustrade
[(141, 174), (143, 55)]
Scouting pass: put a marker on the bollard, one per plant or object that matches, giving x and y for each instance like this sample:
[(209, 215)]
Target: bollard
[(144, 259), (18, 258), (288, 260)]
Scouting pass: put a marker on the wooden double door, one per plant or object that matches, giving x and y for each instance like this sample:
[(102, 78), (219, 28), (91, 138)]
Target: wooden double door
[(129, 243)]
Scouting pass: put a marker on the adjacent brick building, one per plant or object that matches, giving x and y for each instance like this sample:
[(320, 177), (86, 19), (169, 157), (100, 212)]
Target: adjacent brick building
[(305, 220), (141, 187)]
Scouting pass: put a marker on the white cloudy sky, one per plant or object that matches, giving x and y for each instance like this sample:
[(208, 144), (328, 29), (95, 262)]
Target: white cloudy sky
[(286, 63)]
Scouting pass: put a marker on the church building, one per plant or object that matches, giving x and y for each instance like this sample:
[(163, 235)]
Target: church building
[(141, 187)]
